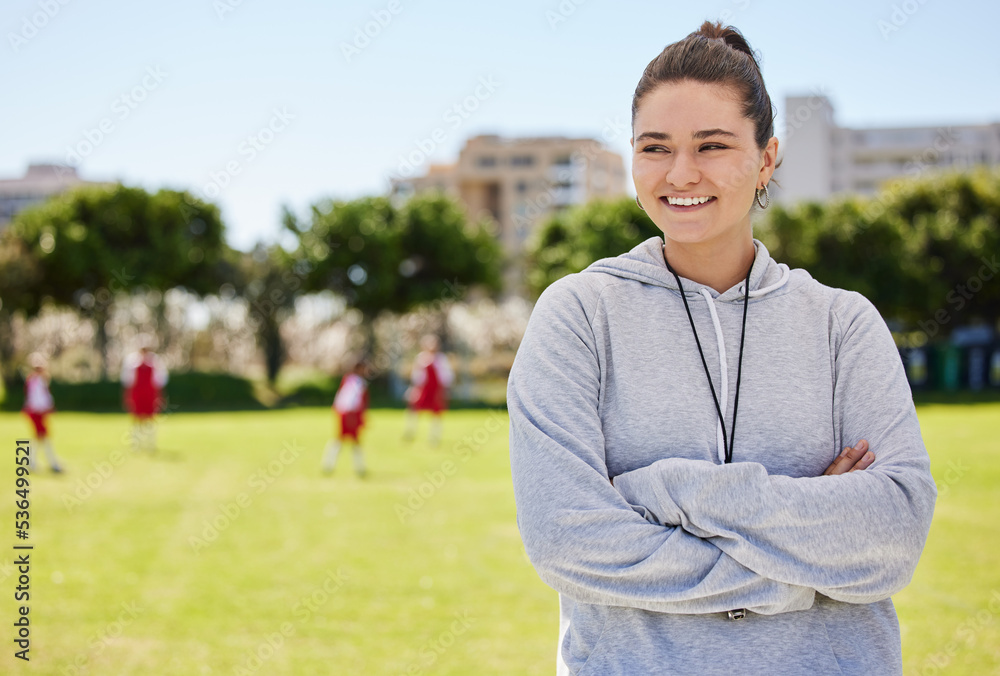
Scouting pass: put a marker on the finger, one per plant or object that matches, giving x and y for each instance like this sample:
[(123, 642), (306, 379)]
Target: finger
[(845, 461), (857, 458), (833, 465), (865, 462)]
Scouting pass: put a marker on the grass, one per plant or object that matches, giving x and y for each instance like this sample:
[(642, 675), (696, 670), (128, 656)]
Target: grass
[(228, 553), (950, 613), (357, 590)]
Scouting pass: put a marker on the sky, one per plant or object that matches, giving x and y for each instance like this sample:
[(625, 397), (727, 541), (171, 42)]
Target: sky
[(259, 104)]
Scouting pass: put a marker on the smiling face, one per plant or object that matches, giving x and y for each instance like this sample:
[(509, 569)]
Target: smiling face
[(695, 163)]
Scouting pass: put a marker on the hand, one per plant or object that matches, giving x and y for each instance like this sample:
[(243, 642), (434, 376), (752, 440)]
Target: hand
[(853, 458)]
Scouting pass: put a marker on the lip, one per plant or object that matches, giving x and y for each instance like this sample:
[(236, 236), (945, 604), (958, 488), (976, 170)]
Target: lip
[(686, 209)]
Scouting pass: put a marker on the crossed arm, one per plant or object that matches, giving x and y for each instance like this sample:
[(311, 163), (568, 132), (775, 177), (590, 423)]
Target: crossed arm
[(854, 536)]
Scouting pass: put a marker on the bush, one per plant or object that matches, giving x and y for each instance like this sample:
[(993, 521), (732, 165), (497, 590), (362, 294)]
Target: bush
[(185, 392)]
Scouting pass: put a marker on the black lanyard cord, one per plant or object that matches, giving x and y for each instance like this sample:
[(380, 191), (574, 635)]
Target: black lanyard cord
[(727, 447), (739, 367)]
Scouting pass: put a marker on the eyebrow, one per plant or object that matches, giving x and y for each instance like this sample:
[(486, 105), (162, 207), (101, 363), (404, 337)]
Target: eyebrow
[(698, 135)]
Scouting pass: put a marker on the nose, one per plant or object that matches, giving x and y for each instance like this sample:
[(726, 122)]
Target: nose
[(683, 170)]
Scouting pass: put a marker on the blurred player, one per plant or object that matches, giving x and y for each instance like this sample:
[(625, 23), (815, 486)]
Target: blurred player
[(431, 378), (38, 404), (143, 377), (350, 404)]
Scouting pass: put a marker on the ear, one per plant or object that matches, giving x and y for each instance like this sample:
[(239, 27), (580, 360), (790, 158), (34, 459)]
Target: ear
[(769, 160), (631, 142)]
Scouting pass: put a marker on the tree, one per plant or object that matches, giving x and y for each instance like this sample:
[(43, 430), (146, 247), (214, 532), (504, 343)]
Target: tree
[(269, 281), (20, 273), (843, 248), (954, 221), (383, 258), (917, 248), (573, 239), (95, 242), (442, 252), (353, 248)]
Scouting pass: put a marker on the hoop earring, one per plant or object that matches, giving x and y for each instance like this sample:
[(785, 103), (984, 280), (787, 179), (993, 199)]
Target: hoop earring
[(639, 203), (767, 197)]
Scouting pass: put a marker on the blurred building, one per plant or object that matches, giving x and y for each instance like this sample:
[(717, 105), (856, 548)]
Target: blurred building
[(821, 159), (40, 182), (519, 182)]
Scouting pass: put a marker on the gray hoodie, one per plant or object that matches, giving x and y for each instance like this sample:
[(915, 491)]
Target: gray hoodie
[(608, 384)]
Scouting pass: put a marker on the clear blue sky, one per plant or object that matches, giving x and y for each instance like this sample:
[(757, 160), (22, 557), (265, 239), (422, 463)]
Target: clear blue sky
[(212, 73)]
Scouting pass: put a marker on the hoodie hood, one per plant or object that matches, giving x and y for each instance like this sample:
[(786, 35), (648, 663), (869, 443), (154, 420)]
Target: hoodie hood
[(645, 264)]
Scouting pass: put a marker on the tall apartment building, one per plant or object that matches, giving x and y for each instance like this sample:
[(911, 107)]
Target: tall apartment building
[(519, 182), (40, 182), (821, 159)]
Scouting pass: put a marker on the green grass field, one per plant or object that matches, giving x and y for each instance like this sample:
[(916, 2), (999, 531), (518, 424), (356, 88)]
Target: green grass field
[(228, 552)]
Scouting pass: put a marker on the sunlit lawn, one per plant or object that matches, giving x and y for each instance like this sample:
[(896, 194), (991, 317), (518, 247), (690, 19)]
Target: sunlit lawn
[(231, 547), (229, 553), (950, 613)]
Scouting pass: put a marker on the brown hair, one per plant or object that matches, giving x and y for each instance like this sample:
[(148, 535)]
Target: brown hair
[(714, 53)]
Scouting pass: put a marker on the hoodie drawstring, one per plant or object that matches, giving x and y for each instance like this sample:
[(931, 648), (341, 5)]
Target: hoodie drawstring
[(724, 364), (757, 293)]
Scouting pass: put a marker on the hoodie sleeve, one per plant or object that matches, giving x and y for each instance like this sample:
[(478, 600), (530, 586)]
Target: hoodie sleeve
[(855, 537), (581, 535), (445, 374), (160, 375), (128, 371)]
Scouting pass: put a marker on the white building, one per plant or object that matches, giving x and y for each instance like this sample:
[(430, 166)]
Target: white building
[(40, 182), (821, 159)]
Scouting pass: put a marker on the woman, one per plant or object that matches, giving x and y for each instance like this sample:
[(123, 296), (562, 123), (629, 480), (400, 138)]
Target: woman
[(677, 414)]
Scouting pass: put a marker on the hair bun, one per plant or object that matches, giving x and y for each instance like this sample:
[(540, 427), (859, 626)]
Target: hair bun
[(714, 30)]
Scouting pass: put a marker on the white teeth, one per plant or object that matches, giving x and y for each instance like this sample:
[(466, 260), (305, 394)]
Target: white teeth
[(687, 201)]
